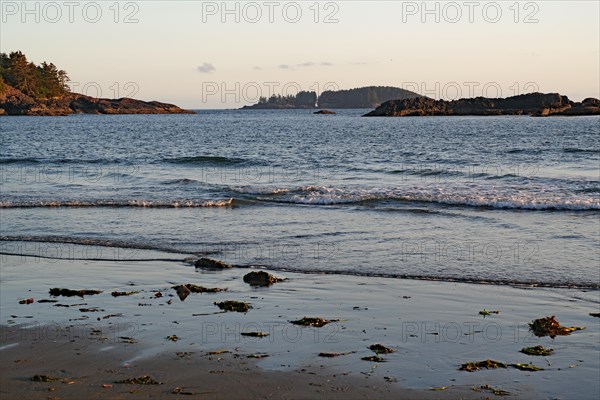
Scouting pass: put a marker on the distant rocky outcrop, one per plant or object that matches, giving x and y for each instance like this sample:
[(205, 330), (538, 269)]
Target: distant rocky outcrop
[(535, 104), (325, 112), (15, 102), (364, 97), (589, 106)]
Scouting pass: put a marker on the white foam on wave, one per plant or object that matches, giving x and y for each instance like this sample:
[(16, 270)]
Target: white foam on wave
[(260, 190), (480, 196), (124, 203)]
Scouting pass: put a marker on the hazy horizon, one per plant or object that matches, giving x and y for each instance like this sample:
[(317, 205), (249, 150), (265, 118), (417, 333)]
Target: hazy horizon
[(212, 55)]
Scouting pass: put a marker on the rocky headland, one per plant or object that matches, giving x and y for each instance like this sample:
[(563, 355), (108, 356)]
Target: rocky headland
[(30, 89), (15, 102), (534, 104)]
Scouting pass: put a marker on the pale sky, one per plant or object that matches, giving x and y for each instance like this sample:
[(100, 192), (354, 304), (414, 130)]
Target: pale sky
[(196, 55)]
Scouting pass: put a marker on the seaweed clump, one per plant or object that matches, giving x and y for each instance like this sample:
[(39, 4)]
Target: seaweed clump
[(232, 305), (373, 358), (477, 365), (207, 263), (311, 321), (255, 334), (549, 326), (381, 349), (488, 388), (199, 289), (330, 355), (118, 294), (537, 351), (142, 380), (526, 367), (485, 312), (45, 378), (71, 293)]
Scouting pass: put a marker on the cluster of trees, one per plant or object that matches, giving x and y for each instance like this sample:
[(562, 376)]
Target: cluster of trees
[(301, 100), (278, 100), (38, 81), (364, 97)]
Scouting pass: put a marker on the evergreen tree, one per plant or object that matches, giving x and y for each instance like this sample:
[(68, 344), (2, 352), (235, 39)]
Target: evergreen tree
[(40, 82)]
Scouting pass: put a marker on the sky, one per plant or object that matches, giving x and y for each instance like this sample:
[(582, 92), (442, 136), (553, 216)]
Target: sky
[(215, 54)]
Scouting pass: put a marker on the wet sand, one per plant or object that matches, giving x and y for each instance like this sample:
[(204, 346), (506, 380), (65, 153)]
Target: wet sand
[(433, 327), (87, 370)]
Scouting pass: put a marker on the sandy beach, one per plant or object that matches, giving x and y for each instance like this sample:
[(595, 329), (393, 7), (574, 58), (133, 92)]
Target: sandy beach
[(192, 346)]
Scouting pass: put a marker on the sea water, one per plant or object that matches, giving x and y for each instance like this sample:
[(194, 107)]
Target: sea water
[(504, 200)]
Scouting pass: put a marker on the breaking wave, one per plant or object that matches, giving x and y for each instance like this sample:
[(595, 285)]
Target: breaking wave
[(119, 204)]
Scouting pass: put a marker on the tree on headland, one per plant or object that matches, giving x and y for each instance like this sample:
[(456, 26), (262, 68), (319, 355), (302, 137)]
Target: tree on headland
[(40, 82)]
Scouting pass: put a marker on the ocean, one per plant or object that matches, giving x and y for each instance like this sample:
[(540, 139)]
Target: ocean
[(510, 200)]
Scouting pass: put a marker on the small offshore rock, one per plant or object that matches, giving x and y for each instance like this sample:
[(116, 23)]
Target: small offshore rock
[(207, 263), (261, 278), (183, 292), (324, 112)]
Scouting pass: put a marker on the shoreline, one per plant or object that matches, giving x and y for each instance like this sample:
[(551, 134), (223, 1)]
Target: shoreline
[(164, 254), (433, 327)]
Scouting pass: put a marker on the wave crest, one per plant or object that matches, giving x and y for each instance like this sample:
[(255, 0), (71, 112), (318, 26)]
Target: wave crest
[(119, 204)]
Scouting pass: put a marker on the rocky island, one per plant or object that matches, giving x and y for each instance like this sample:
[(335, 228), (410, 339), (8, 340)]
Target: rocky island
[(364, 97), (534, 104), (29, 89)]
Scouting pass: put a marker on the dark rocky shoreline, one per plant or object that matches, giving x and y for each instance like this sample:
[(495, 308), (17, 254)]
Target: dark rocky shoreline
[(534, 104), (15, 102)]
